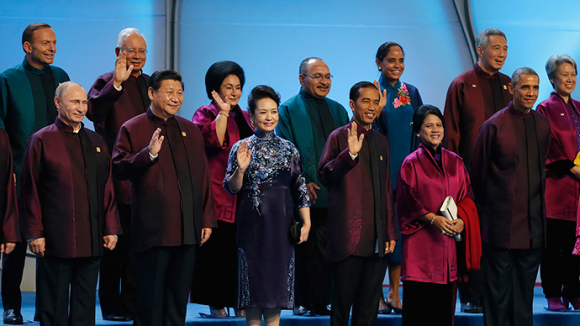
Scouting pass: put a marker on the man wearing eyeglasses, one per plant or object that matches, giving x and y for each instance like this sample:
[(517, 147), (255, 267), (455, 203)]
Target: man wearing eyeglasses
[(307, 120), (114, 98)]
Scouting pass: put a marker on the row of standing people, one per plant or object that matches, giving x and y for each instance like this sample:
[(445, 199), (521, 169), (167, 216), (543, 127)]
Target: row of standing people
[(317, 86)]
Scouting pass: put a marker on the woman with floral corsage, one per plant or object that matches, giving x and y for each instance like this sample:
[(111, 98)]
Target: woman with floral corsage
[(402, 101), (265, 170)]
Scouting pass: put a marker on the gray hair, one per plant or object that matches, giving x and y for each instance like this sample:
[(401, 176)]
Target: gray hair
[(126, 33), (483, 37), (305, 62), (554, 63), (517, 75), (62, 88)]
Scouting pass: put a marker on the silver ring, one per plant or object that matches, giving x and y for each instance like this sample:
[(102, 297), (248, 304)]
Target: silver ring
[(443, 232)]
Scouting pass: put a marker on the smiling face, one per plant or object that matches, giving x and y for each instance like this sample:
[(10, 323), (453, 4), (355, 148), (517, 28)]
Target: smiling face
[(366, 107), (265, 115), (392, 65), (317, 79), (565, 80), (41, 50), (231, 89), (492, 57), (431, 132), (167, 100), (73, 106), (525, 92), (136, 48)]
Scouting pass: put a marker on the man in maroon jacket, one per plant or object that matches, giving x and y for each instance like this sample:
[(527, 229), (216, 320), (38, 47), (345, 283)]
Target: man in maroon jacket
[(508, 176), (69, 211), (9, 221), (354, 166), (473, 97), (172, 207), (116, 97)]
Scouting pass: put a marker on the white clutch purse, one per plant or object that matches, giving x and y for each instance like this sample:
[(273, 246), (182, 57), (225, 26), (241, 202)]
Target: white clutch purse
[(449, 210)]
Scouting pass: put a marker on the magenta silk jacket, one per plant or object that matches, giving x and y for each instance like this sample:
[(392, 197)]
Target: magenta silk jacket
[(217, 155), (428, 255), (562, 190)]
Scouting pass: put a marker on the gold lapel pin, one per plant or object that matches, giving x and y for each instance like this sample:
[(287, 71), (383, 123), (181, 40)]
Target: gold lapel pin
[(98, 149), (183, 134), (381, 157), (504, 87)]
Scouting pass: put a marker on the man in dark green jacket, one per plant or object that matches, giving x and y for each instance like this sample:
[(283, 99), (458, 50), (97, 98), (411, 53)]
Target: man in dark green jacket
[(26, 106), (307, 120)]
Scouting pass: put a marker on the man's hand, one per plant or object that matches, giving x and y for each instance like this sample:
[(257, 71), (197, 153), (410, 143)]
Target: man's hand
[(312, 187), (390, 246), (205, 234), (7, 247), (110, 242), (354, 142), (121, 71), (156, 142), (37, 246)]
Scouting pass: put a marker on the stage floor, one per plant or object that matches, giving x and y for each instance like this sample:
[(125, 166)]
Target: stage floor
[(541, 316)]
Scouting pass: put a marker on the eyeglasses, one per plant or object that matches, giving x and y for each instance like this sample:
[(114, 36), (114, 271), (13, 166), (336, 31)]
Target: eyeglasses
[(319, 76), (134, 51)]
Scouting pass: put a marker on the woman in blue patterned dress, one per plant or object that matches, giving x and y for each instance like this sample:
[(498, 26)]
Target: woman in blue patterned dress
[(403, 100), (265, 170)]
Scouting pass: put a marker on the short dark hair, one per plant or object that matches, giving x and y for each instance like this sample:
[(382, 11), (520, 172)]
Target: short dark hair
[(422, 112), (354, 90), (304, 64), (30, 29), (517, 75), (483, 37), (260, 92), (215, 75), (160, 75), (384, 49)]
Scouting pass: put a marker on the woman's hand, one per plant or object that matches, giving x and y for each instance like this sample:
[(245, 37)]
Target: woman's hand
[(304, 231), (446, 226), (458, 225), (383, 97), (225, 107), (244, 156)]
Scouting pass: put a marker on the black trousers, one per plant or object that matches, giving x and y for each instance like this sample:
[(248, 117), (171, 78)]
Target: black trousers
[(80, 274), (312, 285), (116, 281), (163, 284), (471, 291), (560, 270), (429, 303), (509, 278), (12, 270), (356, 283)]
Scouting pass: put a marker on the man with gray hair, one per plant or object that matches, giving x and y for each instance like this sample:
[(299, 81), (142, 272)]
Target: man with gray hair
[(26, 106), (307, 120), (472, 98), (114, 98), (69, 213), (508, 178)]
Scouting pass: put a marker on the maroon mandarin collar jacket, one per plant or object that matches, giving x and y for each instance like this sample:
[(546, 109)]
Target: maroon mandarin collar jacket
[(428, 255), (493, 174), (131, 161), (342, 176), (217, 155), (48, 191), (9, 220), (562, 190)]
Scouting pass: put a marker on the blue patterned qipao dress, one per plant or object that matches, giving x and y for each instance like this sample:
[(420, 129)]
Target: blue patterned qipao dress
[(272, 189)]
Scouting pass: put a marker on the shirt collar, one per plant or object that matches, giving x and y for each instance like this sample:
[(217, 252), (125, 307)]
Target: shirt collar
[(484, 74), (386, 85), (517, 113), (32, 69), (66, 128), (309, 97), (262, 135), (158, 120)]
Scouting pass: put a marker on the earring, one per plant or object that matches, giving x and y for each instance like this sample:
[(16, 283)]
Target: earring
[(252, 123)]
